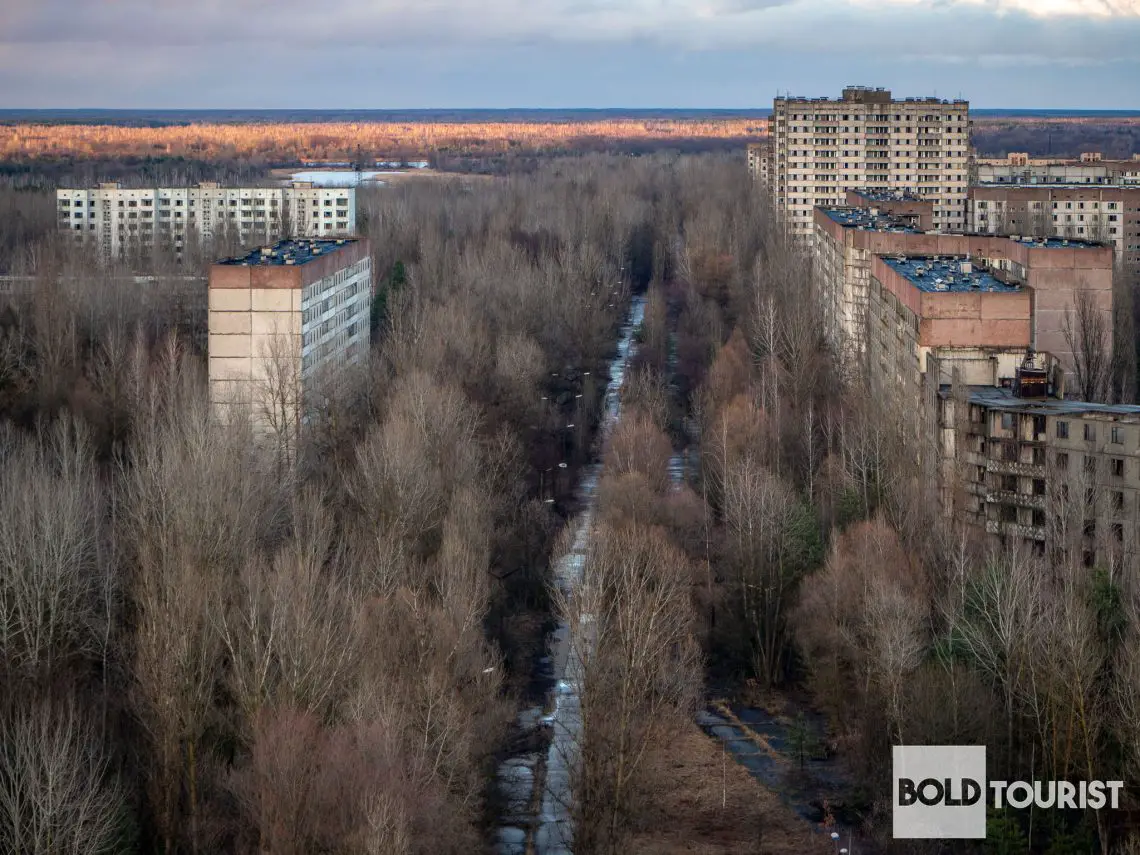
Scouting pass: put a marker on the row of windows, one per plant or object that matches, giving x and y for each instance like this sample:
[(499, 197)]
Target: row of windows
[(1009, 422), (340, 320), (342, 348), (983, 204), (1116, 433), (317, 311), (319, 287)]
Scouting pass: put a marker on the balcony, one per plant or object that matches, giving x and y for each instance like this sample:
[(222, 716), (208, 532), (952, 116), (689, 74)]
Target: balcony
[(1015, 497), (1013, 467), (1027, 532)]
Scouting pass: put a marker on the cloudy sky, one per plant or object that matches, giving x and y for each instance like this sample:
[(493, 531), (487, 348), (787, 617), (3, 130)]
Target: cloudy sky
[(562, 53)]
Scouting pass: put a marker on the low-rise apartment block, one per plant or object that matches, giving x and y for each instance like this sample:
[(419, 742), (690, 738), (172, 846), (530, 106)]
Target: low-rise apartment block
[(822, 147), (118, 220), (281, 316)]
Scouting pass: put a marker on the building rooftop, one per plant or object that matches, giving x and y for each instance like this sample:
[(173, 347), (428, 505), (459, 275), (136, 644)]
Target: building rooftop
[(298, 251), (933, 274), (867, 220), (869, 95), (1054, 185), (1059, 243), (997, 398), (885, 195)]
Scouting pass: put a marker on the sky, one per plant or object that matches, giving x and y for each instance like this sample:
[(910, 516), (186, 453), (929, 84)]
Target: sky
[(384, 54)]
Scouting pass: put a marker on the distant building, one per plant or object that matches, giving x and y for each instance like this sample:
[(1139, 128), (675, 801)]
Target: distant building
[(1105, 213), (118, 220), (823, 147), (760, 162), (1019, 168), (278, 318), (858, 251)]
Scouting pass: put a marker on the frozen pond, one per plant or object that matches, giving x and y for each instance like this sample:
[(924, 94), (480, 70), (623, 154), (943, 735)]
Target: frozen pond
[(343, 177)]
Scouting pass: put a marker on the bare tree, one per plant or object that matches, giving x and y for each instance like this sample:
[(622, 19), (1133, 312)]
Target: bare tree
[(289, 630), (49, 537), (772, 543), (276, 396), (632, 629), (196, 500), (57, 792), (638, 446), (1086, 334)]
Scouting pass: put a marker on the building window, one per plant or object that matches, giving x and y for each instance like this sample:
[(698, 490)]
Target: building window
[(1118, 436), (1038, 486), (1090, 464), (1007, 421), (1090, 433), (1118, 501), (1009, 452), (1008, 514), (1038, 517), (1118, 467), (1062, 430)]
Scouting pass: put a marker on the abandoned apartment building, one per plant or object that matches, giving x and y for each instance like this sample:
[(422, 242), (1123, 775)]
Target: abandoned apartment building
[(964, 335)]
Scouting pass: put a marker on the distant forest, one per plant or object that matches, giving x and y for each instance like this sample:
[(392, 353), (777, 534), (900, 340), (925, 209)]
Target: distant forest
[(44, 149), (1115, 137)]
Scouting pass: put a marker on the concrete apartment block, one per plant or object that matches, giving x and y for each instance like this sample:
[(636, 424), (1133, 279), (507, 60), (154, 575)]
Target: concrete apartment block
[(1052, 272), (821, 148), (117, 220), (1062, 477), (1019, 168), (1102, 213), (280, 317)]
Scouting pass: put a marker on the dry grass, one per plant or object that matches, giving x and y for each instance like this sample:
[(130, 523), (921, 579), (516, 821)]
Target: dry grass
[(709, 805)]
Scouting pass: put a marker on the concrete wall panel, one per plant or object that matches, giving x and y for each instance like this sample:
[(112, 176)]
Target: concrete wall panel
[(225, 300), (229, 345)]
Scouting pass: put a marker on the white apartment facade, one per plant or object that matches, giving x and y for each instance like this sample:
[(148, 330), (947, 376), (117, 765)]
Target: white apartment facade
[(823, 147), (118, 219)]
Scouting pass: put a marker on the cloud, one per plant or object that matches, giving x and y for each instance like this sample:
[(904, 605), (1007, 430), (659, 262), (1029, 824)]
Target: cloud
[(293, 26), (125, 47), (1034, 8)]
